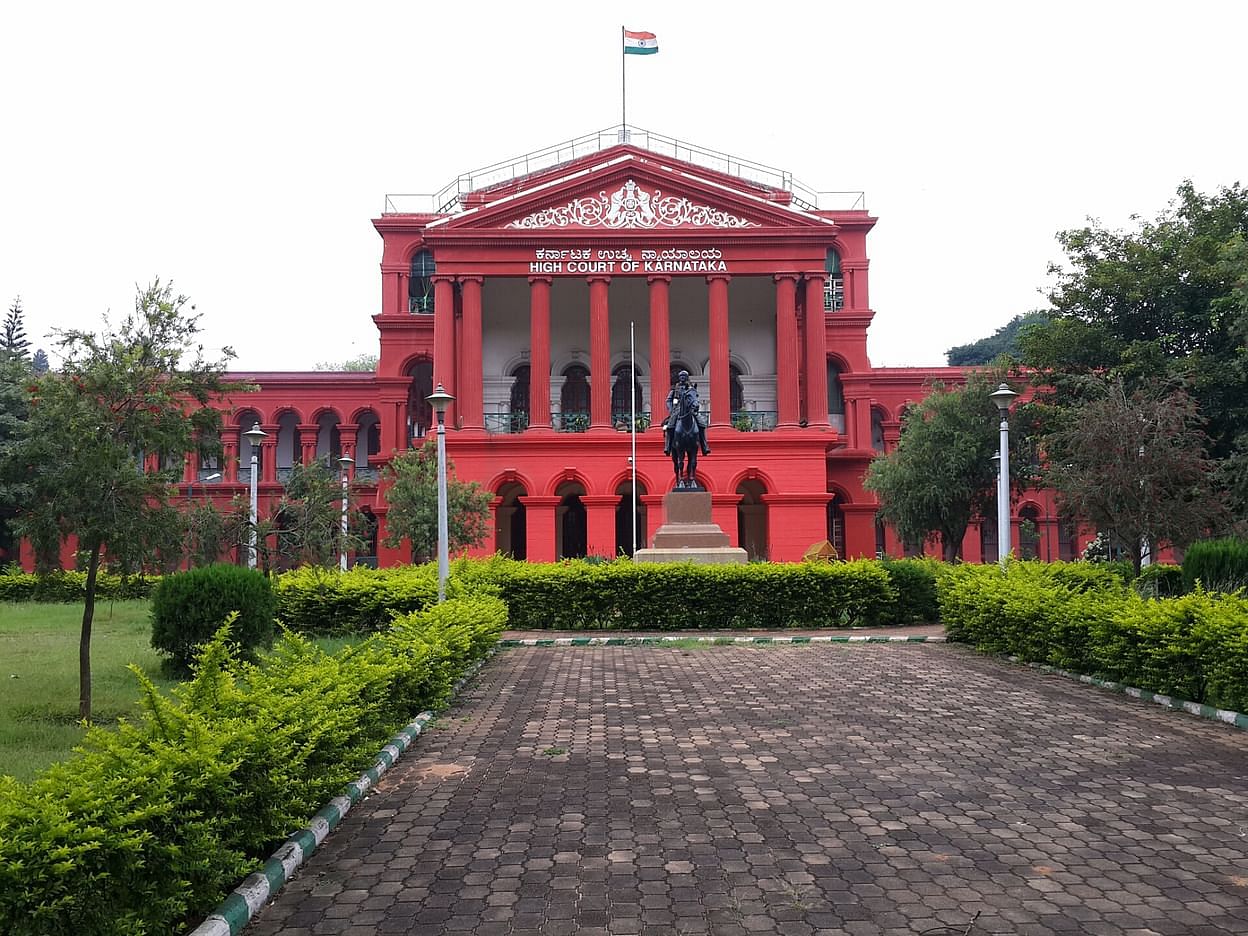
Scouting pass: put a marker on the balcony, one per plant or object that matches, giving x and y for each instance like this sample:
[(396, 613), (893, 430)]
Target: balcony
[(622, 420), (570, 422), (506, 423), (754, 420)]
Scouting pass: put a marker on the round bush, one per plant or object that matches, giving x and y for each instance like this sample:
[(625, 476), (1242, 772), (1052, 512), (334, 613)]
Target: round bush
[(189, 607)]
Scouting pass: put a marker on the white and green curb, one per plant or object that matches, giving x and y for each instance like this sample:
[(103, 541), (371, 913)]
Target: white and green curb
[(721, 640), (1226, 716), (246, 900)]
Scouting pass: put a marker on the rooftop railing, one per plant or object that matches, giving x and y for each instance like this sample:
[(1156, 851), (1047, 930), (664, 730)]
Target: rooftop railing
[(450, 198)]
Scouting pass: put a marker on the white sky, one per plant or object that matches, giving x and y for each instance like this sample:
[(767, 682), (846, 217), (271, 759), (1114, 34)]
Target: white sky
[(241, 149)]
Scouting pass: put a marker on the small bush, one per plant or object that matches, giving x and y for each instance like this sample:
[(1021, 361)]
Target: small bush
[(66, 587), (1159, 581), (914, 581), (188, 608), (313, 600), (1218, 565)]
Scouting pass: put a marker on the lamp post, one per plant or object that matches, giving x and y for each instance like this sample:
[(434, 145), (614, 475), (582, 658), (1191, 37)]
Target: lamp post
[(253, 437), (439, 400), (345, 461), (1003, 396)]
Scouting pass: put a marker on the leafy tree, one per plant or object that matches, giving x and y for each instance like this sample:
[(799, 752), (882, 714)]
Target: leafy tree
[(1167, 299), (40, 363), (208, 533), (90, 450), (362, 362), (15, 376), (307, 522), (941, 475), (412, 496), (13, 343), (1134, 464), (1004, 341)]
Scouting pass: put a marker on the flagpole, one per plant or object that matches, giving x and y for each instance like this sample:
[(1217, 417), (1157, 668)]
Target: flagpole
[(623, 91), (632, 396)]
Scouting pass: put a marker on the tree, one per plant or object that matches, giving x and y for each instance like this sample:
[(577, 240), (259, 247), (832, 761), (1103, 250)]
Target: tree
[(412, 496), (1134, 464), (307, 522), (941, 475), (1167, 300), (92, 447), (13, 343), (1004, 341), (40, 363), (362, 362), (15, 377)]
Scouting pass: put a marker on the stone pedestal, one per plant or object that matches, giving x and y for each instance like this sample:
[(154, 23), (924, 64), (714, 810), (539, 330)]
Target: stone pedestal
[(688, 534)]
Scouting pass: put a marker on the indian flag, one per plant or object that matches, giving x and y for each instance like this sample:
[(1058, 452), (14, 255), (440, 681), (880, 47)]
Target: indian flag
[(640, 43)]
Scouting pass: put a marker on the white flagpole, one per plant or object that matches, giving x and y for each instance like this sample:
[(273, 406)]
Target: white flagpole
[(623, 91), (632, 397)]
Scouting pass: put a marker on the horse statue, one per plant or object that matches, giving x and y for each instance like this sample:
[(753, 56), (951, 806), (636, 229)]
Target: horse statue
[(685, 429)]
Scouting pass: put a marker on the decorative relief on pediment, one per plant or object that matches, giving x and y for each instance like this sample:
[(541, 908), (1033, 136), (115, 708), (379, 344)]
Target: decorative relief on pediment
[(632, 207)]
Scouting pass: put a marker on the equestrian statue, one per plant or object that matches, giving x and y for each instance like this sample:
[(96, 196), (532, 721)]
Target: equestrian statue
[(684, 432)]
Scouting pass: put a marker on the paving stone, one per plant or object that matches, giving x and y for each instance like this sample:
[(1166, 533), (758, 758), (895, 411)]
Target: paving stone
[(869, 790)]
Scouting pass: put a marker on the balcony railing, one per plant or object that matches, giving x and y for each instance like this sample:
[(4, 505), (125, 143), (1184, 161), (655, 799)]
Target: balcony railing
[(621, 420), (283, 475), (367, 474), (570, 422), (754, 420), (506, 423)]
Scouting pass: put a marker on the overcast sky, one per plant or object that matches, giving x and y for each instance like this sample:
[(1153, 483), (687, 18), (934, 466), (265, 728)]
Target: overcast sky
[(241, 149)]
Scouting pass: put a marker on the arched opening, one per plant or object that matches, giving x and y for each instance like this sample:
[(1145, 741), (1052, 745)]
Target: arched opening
[(208, 456), (288, 449), (624, 518), (877, 429), (1067, 535), (328, 442), (752, 519), (367, 441), (834, 283), (836, 397), (419, 412), (836, 524), (511, 530), (736, 391), (420, 284), (246, 419), (1029, 533), (574, 399), (571, 527), (881, 538), (621, 406), (518, 402), (988, 546)]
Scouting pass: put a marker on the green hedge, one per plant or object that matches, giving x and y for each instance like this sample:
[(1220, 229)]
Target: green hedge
[(1218, 565), (16, 585), (1075, 616), (313, 600), (147, 827)]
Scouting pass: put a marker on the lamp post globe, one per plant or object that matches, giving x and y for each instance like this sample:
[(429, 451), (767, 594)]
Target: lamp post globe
[(254, 436), (1003, 396), (439, 400)]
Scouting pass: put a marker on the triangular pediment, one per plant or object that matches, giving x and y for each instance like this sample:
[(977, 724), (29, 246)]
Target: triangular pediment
[(624, 190)]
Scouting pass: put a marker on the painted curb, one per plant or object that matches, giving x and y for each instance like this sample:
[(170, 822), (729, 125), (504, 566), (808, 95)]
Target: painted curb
[(723, 641), (1226, 716), (246, 900)]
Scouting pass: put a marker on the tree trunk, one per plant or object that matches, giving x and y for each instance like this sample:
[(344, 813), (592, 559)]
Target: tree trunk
[(951, 546), (84, 642)]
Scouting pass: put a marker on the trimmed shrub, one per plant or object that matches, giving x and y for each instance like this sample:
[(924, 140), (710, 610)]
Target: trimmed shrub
[(67, 587), (1218, 565), (1159, 581), (146, 827), (914, 581), (1194, 646), (313, 600), (188, 608)]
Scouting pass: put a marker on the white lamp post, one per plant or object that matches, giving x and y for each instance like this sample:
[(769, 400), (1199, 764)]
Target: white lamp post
[(1003, 396), (253, 437), (439, 400), (345, 461)]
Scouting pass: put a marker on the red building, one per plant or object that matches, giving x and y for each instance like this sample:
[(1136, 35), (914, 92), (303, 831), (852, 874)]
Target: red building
[(518, 288)]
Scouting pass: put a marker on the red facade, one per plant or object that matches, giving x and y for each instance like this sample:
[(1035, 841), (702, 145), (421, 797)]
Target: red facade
[(523, 298)]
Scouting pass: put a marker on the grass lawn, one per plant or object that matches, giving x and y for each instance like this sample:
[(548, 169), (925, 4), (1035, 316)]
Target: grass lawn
[(39, 675)]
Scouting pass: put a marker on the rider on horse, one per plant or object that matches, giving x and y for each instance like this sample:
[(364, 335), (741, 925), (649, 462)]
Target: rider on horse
[(673, 395)]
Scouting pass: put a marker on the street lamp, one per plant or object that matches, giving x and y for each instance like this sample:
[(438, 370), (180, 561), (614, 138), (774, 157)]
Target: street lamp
[(345, 461), (439, 400), (253, 436), (1003, 396)]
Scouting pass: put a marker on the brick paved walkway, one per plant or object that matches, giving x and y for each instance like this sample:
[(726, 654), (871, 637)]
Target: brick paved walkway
[(845, 789)]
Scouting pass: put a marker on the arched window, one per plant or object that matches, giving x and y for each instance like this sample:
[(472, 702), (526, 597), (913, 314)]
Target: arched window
[(574, 396), (328, 442), (836, 398), (620, 404), (736, 392), (246, 419), (419, 412), (420, 283), (834, 285), (1029, 533), (877, 430), (367, 438), (518, 404)]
